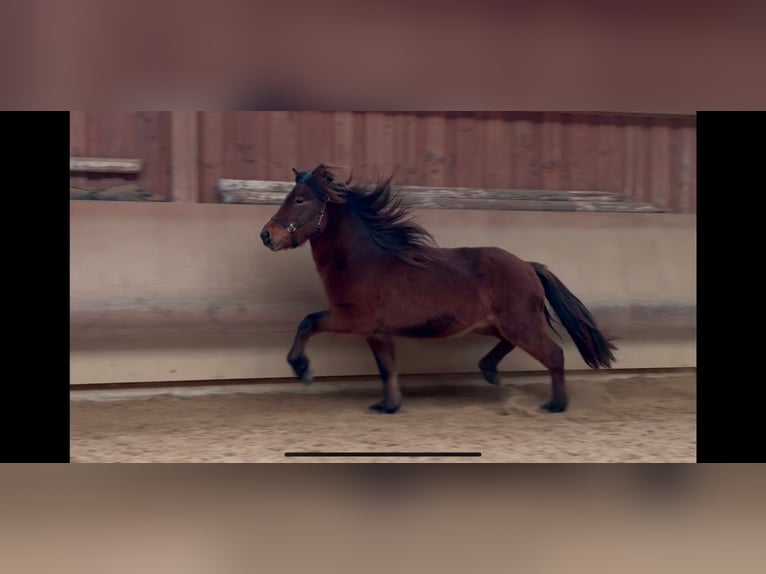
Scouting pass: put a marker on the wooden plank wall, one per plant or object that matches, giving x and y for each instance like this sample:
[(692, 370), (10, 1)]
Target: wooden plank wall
[(138, 135), (647, 158), (650, 159)]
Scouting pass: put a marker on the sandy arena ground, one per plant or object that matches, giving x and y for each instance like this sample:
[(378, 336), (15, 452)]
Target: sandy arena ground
[(612, 418)]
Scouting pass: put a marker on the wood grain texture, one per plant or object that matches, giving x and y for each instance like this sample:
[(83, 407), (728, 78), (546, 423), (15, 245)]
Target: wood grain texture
[(104, 165), (184, 150), (274, 192)]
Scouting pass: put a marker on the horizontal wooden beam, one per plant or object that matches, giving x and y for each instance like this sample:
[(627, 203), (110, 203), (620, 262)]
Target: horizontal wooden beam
[(261, 192), (126, 192), (104, 165)]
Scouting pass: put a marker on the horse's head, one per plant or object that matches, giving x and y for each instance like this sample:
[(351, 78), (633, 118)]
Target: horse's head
[(303, 213)]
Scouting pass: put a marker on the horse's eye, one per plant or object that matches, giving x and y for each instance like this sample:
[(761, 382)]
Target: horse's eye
[(299, 200)]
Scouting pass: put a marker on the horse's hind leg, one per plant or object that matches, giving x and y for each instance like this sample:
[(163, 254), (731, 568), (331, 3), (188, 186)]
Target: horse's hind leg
[(490, 361), (540, 346), (382, 347), (552, 357)]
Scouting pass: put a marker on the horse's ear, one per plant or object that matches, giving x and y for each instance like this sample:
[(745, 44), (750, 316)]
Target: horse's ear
[(295, 171)]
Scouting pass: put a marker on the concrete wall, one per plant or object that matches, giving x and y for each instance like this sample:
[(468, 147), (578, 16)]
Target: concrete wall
[(178, 291)]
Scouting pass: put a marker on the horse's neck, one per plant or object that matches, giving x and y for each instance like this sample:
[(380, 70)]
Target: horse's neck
[(333, 246)]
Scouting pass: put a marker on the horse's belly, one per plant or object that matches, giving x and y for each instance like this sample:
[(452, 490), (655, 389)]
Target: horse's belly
[(443, 327)]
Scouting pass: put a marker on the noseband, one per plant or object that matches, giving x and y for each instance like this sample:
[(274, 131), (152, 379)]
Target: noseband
[(292, 227)]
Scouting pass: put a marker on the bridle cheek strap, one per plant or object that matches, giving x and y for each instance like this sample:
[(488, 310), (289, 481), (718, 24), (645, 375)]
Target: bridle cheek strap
[(292, 227)]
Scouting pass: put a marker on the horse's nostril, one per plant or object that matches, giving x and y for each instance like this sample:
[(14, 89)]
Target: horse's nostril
[(265, 236)]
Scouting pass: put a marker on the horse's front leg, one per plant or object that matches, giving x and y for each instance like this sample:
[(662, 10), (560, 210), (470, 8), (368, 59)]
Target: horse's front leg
[(312, 324)]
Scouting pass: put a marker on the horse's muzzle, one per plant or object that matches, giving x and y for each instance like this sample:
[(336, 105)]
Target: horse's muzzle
[(273, 243)]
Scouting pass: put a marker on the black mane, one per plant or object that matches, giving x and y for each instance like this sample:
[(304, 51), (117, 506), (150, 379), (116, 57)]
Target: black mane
[(381, 212)]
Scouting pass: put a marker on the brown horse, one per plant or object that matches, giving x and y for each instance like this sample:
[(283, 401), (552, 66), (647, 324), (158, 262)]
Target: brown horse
[(384, 277)]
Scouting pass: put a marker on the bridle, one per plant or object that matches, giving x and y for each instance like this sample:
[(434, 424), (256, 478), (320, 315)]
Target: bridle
[(305, 178), (292, 227)]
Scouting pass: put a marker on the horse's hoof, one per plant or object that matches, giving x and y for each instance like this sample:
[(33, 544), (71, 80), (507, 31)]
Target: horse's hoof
[(301, 369), (308, 377), (383, 408), (554, 406), (491, 377)]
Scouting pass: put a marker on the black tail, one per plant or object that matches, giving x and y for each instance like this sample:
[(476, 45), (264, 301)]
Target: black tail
[(595, 348)]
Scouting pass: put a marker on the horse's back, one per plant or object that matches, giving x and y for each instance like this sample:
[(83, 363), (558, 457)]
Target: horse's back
[(501, 272), (490, 260)]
